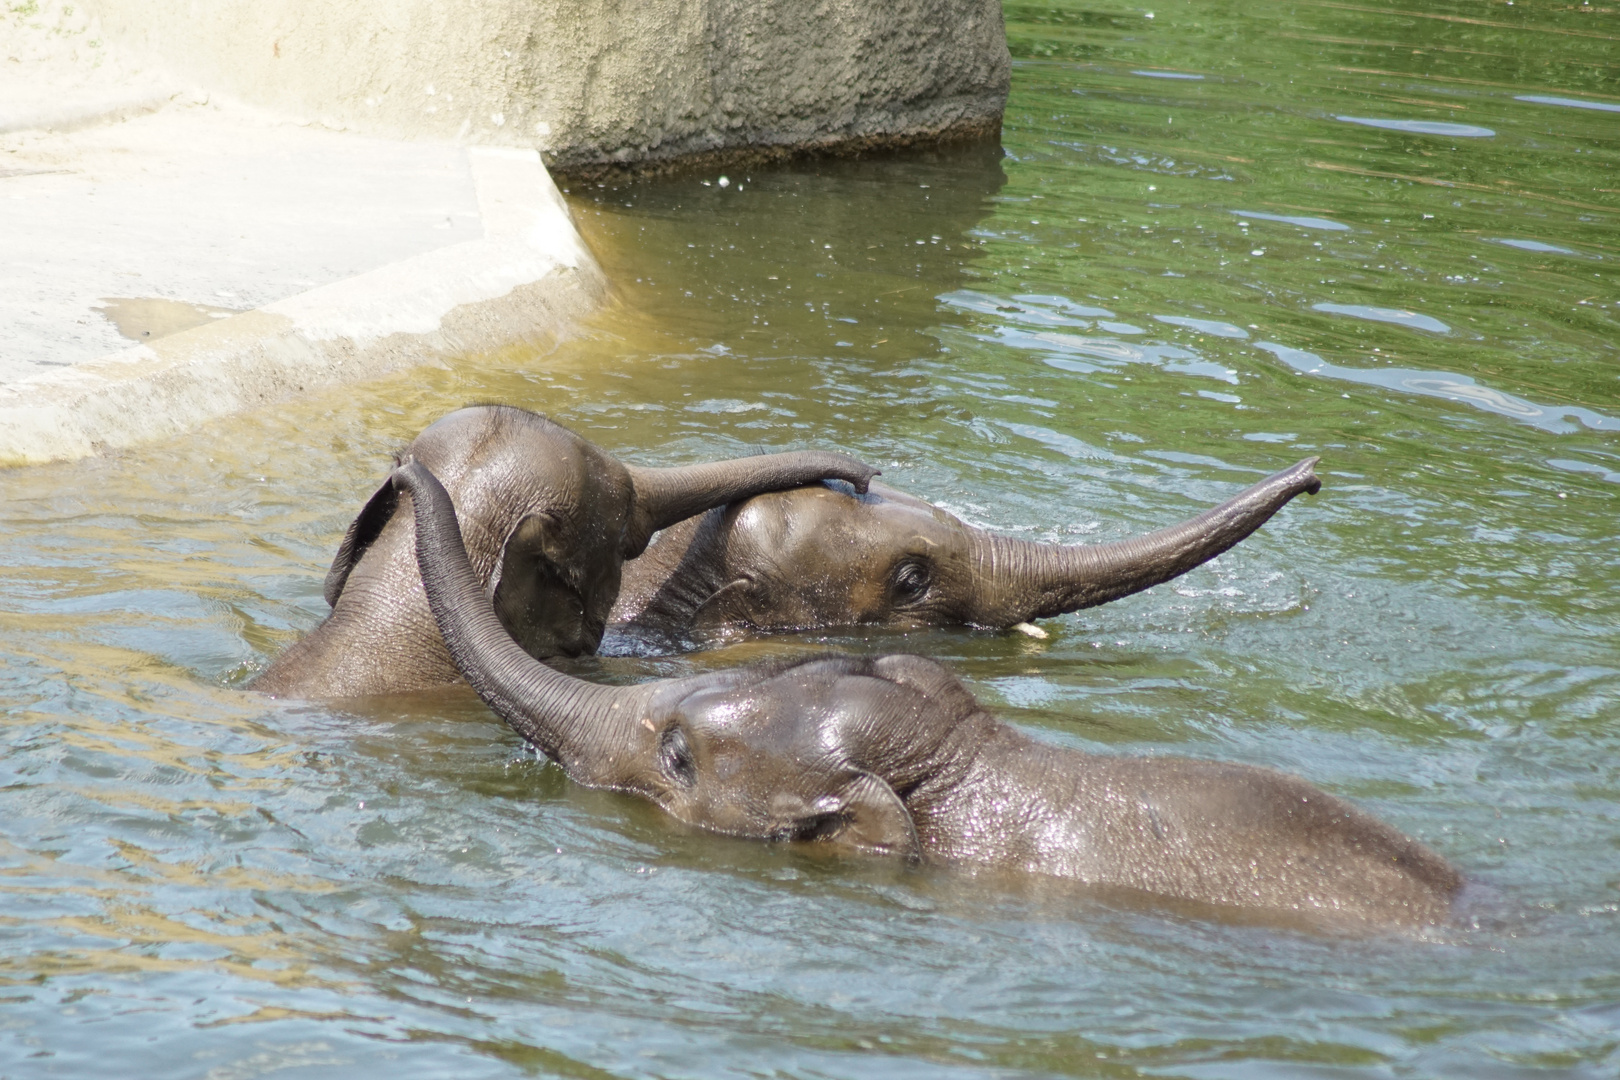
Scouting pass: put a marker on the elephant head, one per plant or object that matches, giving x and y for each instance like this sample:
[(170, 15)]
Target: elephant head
[(892, 755), (818, 556), (550, 519)]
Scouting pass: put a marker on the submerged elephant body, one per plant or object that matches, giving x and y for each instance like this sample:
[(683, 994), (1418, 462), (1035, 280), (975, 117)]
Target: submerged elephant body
[(817, 557), (549, 519), (894, 755)]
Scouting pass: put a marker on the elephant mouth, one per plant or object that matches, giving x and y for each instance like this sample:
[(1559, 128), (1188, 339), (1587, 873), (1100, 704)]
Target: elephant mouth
[(587, 641)]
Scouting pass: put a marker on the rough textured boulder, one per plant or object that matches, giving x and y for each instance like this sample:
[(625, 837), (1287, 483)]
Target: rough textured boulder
[(597, 84)]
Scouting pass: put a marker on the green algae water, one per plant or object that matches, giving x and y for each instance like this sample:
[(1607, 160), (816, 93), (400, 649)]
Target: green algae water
[(1217, 238)]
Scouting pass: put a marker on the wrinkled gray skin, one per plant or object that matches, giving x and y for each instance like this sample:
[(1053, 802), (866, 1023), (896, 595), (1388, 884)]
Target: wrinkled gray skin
[(550, 519), (817, 557), (894, 756)]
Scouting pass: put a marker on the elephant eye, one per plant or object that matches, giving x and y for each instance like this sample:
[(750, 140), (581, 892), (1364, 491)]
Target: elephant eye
[(675, 757), (911, 581)]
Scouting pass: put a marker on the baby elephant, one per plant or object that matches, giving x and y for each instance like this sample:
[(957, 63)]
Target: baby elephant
[(550, 519), (894, 755), (816, 557)]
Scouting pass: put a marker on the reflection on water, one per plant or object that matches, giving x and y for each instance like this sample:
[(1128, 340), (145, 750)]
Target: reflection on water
[(1295, 219), (1212, 327), (1533, 245), (1442, 384), (1422, 127), (1586, 467), (1570, 103), (1074, 342), (1386, 315)]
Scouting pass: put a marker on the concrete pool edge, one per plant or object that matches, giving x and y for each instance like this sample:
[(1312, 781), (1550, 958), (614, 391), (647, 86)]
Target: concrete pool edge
[(530, 277)]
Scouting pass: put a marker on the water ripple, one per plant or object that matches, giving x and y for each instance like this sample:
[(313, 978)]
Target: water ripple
[(1452, 387), (1532, 245), (1111, 353), (1204, 326), (1397, 316), (1421, 127), (1290, 219), (1568, 103), (1575, 466), (1037, 308)]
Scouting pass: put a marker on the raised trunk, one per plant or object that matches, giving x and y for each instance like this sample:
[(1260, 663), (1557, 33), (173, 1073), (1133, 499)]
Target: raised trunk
[(667, 496), (579, 724), (1024, 580)]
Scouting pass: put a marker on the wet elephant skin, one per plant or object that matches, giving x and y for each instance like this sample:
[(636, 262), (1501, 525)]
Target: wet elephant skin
[(893, 756), (825, 555), (550, 519)]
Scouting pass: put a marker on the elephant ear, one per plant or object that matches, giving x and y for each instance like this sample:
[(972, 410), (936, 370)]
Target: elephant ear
[(867, 816), (363, 531), (529, 561)]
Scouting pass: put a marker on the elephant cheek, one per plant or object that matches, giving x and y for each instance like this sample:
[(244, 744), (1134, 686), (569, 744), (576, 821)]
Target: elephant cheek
[(867, 602), (790, 806), (724, 812), (686, 810), (734, 604)]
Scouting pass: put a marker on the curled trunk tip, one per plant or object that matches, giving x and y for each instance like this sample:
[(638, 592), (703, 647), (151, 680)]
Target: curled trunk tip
[(1304, 473)]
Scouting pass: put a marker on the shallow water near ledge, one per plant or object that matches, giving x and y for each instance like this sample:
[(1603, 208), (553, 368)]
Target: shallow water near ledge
[(1188, 271)]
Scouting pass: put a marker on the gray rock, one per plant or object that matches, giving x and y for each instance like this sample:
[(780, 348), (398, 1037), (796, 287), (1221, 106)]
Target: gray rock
[(599, 84)]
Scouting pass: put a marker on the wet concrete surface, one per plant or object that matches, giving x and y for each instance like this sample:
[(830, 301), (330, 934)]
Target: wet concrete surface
[(203, 204)]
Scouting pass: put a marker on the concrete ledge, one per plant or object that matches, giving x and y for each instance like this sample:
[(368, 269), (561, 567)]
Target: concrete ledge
[(529, 277), (72, 115)]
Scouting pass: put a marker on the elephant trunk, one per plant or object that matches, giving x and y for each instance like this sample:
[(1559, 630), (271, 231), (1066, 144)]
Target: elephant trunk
[(1027, 580), (667, 496), (572, 721)]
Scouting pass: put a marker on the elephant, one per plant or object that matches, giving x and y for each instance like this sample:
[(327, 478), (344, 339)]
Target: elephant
[(817, 557), (893, 756), (550, 520)]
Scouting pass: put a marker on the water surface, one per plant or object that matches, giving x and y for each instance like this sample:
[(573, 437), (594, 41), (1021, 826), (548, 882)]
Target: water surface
[(1168, 287)]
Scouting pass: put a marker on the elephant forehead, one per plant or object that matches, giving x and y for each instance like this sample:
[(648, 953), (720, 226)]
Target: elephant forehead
[(718, 710), (518, 458), (882, 496), (469, 437), (586, 512), (777, 716), (846, 527), (916, 522)]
